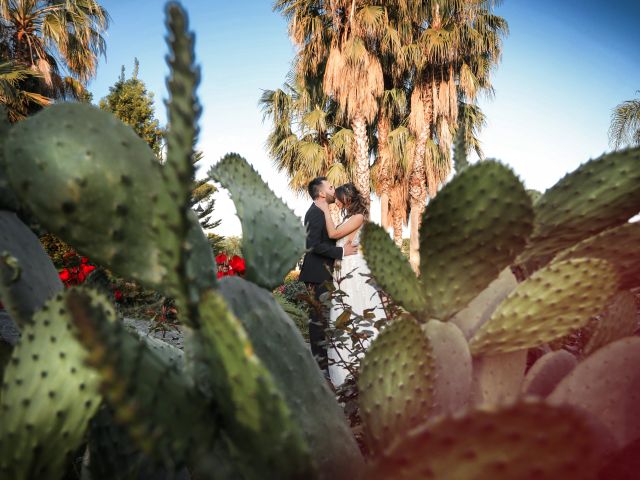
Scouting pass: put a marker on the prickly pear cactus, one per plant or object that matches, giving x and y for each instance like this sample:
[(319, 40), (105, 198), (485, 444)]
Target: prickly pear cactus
[(259, 211), (48, 396)]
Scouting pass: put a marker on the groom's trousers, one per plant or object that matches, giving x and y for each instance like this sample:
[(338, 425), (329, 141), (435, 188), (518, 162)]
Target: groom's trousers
[(318, 324)]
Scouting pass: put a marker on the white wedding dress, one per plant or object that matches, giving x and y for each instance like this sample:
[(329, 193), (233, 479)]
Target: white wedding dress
[(361, 296)]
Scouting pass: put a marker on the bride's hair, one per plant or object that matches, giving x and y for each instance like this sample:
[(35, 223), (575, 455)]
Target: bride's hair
[(352, 200)]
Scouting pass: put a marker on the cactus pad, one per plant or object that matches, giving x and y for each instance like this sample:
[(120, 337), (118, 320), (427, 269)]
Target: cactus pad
[(253, 412), (150, 396), (497, 379), (480, 309), (471, 231), (280, 347), (390, 268), (600, 194), (396, 382), (550, 304), (25, 286), (547, 372), (620, 319), (47, 399), (526, 440), (619, 246), (273, 236), (97, 168), (607, 385), (453, 367)]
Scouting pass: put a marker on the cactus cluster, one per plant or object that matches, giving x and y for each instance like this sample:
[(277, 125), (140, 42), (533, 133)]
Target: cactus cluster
[(445, 389)]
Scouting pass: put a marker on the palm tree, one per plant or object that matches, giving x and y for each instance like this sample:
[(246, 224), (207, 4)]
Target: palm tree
[(392, 111), (459, 46), (305, 140), (60, 40), (337, 41), (625, 124), (17, 101), (471, 121)]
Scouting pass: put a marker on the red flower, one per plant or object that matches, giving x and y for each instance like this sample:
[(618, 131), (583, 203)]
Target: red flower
[(237, 265), (220, 274), (117, 294), (84, 260), (64, 275), (220, 259)]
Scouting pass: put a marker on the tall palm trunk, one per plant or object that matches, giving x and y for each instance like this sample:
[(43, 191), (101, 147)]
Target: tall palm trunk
[(418, 200), (397, 228), (361, 174), (418, 177), (385, 184)]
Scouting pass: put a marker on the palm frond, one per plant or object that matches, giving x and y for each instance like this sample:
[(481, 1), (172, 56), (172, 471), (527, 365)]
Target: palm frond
[(625, 124)]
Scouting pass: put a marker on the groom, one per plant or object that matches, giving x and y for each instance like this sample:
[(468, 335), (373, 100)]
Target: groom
[(318, 264)]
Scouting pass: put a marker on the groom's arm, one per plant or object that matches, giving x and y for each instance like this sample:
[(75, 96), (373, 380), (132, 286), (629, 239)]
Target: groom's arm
[(315, 225)]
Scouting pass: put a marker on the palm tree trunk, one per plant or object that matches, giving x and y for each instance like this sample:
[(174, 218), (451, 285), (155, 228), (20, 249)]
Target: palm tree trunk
[(361, 174), (418, 197), (383, 135), (397, 228)]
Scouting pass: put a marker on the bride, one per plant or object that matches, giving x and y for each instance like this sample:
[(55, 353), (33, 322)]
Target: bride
[(352, 274)]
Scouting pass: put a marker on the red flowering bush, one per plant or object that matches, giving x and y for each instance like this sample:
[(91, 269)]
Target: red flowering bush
[(77, 270), (75, 275), (230, 266)]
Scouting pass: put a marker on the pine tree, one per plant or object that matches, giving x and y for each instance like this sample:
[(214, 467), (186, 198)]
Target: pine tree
[(131, 102)]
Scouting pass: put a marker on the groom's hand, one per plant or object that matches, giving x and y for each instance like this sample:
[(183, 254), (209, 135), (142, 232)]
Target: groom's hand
[(349, 249)]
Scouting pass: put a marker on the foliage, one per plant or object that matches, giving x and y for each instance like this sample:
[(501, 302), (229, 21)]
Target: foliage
[(231, 245), (129, 100), (441, 390), (59, 42), (625, 124), (296, 311), (16, 100)]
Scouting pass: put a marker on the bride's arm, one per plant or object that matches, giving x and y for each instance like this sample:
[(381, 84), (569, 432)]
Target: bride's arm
[(343, 229)]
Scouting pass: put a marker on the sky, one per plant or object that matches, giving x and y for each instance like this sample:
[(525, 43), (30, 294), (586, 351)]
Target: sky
[(565, 65)]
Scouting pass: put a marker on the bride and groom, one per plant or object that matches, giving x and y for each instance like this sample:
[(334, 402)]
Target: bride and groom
[(328, 244)]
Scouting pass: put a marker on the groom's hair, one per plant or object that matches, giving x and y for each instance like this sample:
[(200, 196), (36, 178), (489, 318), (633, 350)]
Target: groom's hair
[(314, 187)]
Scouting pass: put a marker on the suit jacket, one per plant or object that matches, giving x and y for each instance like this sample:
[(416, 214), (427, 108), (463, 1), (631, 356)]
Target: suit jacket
[(321, 250)]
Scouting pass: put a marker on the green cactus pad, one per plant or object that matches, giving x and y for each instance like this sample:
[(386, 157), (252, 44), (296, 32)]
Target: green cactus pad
[(607, 385), (600, 194), (156, 402), (396, 382), (112, 454), (547, 372), (619, 246), (273, 237), (390, 268), (280, 347), (453, 367), (8, 200), (550, 304), (253, 412), (480, 309), (92, 181), (526, 440), (470, 232), (620, 319), (47, 399), (497, 379), (25, 286), (183, 109)]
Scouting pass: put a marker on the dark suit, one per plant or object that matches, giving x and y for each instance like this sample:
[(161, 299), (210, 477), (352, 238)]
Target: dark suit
[(316, 271)]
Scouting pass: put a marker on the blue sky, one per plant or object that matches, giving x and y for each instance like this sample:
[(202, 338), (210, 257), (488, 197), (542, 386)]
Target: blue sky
[(565, 65)]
